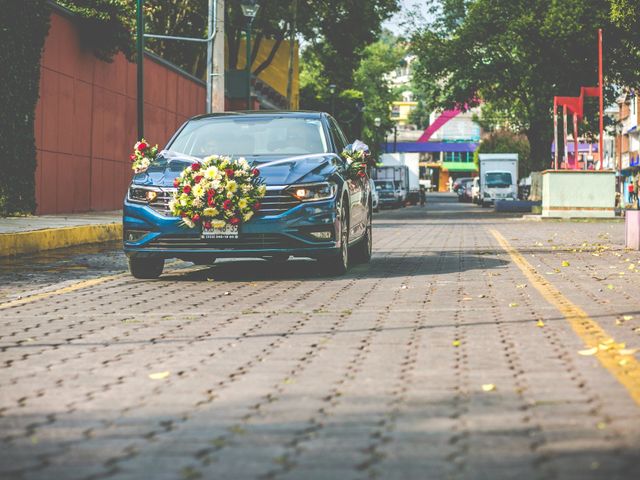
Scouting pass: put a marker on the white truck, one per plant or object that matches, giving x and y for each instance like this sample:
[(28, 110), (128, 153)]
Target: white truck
[(498, 177), (411, 161)]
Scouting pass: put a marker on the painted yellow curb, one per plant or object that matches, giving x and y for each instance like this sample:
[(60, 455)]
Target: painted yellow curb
[(50, 238), (624, 368)]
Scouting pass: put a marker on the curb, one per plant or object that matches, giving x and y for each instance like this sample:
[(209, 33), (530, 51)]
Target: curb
[(50, 238)]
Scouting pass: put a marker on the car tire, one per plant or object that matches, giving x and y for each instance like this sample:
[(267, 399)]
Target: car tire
[(338, 264), (146, 268), (361, 251)]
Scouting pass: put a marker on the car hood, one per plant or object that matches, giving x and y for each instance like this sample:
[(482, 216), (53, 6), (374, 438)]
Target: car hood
[(275, 170)]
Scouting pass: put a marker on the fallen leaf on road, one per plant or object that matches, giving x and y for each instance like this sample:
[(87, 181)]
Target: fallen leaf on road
[(513, 304), (522, 285), (626, 318), (159, 375), (623, 362), (227, 293), (588, 351), (467, 298), (481, 296), (628, 351), (631, 267), (488, 387), (540, 323), (610, 287), (456, 343), (565, 263), (601, 425)]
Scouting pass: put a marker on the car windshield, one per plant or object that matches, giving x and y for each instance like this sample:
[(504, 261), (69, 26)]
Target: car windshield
[(498, 179), (384, 185), (251, 136)]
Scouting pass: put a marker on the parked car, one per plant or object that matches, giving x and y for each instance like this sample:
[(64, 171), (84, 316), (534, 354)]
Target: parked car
[(375, 199), (464, 190), (387, 193), (457, 183), (475, 190), (312, 207)]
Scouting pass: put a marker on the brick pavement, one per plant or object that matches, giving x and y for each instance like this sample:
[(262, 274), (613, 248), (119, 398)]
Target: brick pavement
[(288, 374)]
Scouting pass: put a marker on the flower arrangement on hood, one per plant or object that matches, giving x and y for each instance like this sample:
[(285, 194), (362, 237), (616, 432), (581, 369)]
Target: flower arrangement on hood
[(142, 156), (217, 192), (357, 157)]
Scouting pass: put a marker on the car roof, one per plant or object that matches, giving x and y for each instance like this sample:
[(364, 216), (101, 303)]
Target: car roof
[(263, 113)]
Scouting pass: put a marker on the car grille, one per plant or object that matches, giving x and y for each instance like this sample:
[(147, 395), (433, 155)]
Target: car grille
[(161, 203), (275, 202), (244, 242)]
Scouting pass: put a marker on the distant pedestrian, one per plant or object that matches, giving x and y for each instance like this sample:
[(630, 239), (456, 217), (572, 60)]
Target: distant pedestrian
[(633, 195), (423, 195)]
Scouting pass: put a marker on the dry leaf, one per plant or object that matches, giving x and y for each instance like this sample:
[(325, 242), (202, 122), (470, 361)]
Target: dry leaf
[(522, 285), (159, 375), (488, 387), (626, 318), (565, 263), (513, 304), (610, 287), (456, 343), (540, 323), (628, 351), (588, 351)]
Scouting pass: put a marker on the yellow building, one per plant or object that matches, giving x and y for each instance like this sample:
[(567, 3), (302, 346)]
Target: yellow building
[(400, 112)]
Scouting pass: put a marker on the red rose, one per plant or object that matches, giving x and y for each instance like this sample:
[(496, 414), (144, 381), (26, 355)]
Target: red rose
[(196, 217), (132, 157), (176, 182), (256, 206), (226, 204), (186, 189), (255, 171), (211, 192), (207, 224), (183, 215), (142, 146), (211, 201), (198, 179), (234, 220), (195, 166), (229, 172)]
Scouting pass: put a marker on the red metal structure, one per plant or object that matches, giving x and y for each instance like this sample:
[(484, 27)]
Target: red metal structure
[(575, 105)]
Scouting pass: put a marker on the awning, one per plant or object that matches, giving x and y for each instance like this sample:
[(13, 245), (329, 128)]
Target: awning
[(459, 166), (433, 147)]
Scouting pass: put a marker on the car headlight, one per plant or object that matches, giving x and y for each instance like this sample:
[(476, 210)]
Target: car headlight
[(313, 192), (138, 194)]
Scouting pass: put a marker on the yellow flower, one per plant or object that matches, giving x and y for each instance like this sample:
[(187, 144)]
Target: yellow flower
[(262, 189), (247, 216), (184, 199), (232, 186), (211, 173), (210, 212), (242, 203), (218, 223)]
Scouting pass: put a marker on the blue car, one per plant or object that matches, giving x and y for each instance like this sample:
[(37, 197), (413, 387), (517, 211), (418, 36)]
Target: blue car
[(312, 208)]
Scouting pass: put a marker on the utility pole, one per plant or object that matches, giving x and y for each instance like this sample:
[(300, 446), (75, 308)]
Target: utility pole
[(292, 44), (217, 75), (140, 67)]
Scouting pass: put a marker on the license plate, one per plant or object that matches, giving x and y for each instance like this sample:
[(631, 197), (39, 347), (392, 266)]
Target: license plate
[(228, 231)]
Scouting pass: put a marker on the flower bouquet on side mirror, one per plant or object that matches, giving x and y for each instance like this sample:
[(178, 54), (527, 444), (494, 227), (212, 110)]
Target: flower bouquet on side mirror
[(142, 156), (218, 194), (357, 157)]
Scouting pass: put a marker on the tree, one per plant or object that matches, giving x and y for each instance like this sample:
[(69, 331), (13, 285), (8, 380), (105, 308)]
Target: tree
[(517, 54)]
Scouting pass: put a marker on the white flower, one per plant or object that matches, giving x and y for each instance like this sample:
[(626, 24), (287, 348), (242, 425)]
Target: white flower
[(247, 216), (262, 189), (172, 205), (198, 191), (211, 173), (246, 188), (210, 212), (188, 222), (184, 199), (198, 202), (229, 195), (215, 184)]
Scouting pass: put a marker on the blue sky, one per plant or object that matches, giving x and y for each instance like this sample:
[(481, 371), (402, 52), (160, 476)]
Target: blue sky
[(399, 23)]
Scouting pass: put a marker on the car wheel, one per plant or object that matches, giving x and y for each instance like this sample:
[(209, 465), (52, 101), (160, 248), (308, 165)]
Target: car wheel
[(146, 268), (338, 264), (362, 250)]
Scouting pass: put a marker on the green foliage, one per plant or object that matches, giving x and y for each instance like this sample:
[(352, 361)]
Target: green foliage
[(106, 27), (505, 141), (23, 28), (378, 59), (516, 55)]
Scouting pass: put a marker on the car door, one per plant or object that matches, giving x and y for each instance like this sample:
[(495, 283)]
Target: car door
[(356, 186)]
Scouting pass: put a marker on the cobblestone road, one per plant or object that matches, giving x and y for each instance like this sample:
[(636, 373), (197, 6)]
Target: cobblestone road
[(440, 359)]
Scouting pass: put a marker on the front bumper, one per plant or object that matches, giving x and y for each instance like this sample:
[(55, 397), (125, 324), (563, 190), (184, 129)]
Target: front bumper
[(286, 233)]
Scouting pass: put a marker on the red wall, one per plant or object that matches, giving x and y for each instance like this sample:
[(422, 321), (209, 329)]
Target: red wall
[(85, 124)]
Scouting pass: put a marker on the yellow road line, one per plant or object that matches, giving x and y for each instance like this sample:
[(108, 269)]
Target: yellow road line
[(625, 368), (68, 289)]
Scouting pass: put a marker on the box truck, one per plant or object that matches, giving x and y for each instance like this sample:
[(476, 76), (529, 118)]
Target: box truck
[(392, 184), (411, 161), (498, 177)]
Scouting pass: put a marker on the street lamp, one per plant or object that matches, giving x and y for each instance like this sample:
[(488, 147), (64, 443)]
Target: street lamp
[(249, 10), (377, 122), (332, 91)]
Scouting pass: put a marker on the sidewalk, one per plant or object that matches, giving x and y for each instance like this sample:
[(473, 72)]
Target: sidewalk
[(46, 232)]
